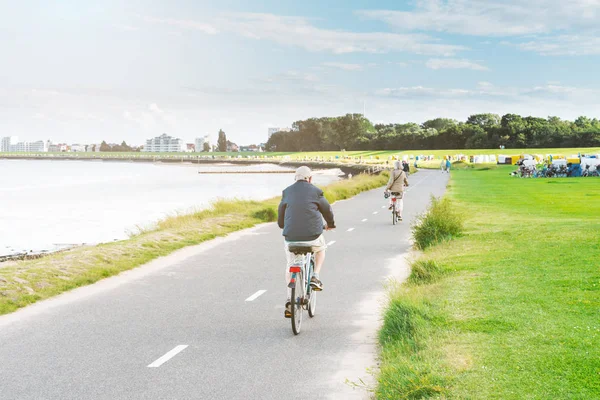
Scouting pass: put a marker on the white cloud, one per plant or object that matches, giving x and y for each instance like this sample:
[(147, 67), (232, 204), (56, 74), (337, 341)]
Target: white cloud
[(486, 90), (563, 45), (420, 91), (419, 103), (298, 32), (187, 24), (400, 64), (128, 28), (293, 76), (155, 109), (345, 67), (492, 18), (452, 63)]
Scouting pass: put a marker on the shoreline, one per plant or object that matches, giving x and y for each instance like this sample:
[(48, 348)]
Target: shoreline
[(347, 168), (27, 251), (31, 255)]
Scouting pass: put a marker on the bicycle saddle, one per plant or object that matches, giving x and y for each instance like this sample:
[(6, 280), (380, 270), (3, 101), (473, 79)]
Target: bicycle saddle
[(302, 249)]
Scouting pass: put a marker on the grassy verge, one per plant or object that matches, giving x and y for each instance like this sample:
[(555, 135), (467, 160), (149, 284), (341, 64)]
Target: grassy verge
[(25, 282), (509, 310)]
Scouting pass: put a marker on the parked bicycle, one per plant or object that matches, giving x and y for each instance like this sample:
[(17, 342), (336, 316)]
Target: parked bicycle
[(590, 170), (303, 296)]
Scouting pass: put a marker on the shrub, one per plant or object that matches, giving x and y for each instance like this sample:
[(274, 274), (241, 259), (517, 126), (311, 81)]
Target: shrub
[(425, 271), (267, 214), (440, 222), (405, 374)]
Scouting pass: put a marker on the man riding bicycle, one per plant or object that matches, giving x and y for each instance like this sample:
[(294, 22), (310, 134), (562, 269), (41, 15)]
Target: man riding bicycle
[(395, 185), (301, 211)]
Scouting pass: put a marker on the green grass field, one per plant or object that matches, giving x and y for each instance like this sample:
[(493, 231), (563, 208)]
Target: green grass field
[(513, 310)]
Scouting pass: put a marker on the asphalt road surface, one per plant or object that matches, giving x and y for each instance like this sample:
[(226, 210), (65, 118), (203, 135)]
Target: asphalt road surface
[(207, 323)]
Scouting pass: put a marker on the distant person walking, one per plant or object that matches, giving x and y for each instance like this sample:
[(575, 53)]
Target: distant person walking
[(448, 165), (443, 165), (406, 167)]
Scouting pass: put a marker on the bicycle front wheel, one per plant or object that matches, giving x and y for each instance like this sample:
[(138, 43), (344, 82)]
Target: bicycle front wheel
[(296, 300)]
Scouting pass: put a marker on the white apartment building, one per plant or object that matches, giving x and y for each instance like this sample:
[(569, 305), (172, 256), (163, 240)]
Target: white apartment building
[(164, 144), (199, 143), (8, 141), (29, 147), (77, 148), (40, 146)]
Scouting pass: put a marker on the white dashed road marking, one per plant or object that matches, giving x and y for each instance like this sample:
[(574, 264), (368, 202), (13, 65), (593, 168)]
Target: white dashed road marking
[(330, 243), (364, 220), (255, 295), (376, 212), (350, 229), (168, 356)]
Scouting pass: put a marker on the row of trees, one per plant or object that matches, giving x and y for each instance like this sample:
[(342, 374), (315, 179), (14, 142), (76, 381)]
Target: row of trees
[(116, 147), (480, 131)]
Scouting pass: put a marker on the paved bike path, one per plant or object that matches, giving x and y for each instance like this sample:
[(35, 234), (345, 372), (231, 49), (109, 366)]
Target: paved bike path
[(99, 346)]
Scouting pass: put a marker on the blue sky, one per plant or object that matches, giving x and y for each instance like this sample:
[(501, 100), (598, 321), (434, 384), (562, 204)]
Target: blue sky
[(78, 71)]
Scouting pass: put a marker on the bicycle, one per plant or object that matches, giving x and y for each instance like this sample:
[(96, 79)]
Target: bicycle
[(303, 295), (395, 217)]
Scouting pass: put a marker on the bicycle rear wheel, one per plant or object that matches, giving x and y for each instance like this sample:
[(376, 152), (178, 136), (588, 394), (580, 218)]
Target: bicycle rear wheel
[(296, 300), (312, 303), (394, 217)]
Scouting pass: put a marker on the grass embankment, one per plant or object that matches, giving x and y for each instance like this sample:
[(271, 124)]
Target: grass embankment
[(510, 310), (25, 282)]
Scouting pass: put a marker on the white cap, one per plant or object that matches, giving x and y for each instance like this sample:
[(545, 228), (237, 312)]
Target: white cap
[(303, 173)]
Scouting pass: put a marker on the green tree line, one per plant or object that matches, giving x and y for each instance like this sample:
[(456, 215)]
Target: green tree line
[(116, 148), (479, 131)]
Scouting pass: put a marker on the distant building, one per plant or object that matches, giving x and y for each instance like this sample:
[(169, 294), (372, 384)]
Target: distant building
[(20, 147), (9, 144), (57, 147), (232, 147), (78, 148), (8, 141), (164, 144), (199, 143), (40, 146), (252, 147), (275, 130), (190, 148)]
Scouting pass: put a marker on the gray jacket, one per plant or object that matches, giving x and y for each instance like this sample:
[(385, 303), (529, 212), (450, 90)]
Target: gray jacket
[(300, 210)]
